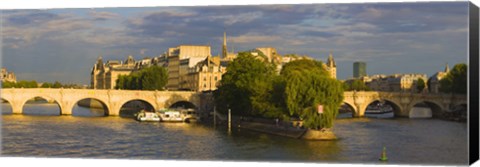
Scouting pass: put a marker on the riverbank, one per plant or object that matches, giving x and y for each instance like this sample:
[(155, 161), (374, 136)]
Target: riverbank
[(457, 116), (290, 129)]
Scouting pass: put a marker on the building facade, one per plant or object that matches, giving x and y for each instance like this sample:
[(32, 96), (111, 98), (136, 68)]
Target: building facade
[(205, 75), (359, 69), (180, 59), (105, 75), (434, 81), (392, 83), (8, 76), (331, 66), (189, 67)]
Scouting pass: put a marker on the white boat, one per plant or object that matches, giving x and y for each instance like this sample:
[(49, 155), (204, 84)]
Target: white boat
[(145, 116), (170, 116), (177, 115), (189, 115)]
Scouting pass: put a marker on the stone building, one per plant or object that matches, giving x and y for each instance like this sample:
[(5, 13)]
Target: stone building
[(105, 75), (434, 81), (331, 66), (272, 56), (205, 75), (8, 76), (180, 59), (393, 83)]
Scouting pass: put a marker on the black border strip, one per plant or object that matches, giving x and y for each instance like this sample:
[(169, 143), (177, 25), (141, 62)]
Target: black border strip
[(473, 81)]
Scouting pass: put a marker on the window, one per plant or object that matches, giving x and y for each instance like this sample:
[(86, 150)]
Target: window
[(215, 78)]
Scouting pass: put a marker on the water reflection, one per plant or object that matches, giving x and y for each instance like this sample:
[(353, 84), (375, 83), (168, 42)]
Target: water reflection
[(88, 112), (418, 141), (6, 108), (41, 109)]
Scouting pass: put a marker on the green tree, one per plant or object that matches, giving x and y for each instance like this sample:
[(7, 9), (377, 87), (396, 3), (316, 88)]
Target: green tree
[(455, 81), (151, 78), (359, 85), (47, 85), (56, 84), (420, 85), (120, 82), (8, 84), (247, 88), (25, 84), (307, 85)]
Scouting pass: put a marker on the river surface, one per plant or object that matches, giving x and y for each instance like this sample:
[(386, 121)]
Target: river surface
[(41, 133)]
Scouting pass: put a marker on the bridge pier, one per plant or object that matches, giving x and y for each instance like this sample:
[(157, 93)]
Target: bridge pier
[(66, 109), (114, 109), (16, 108)]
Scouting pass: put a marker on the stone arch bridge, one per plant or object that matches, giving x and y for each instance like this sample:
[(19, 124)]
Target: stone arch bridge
[(402, 102), (113, 100)]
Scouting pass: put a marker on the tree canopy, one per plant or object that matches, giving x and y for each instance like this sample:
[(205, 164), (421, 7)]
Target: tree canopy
[(251, 87), (420, 85), (455, 81), (34, 84), (356, 85), (247, 87), (19, 84), (307, 85), (151, 78)]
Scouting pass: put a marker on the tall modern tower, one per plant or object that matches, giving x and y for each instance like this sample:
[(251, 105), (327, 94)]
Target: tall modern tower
[(224, 48), (359, 69)]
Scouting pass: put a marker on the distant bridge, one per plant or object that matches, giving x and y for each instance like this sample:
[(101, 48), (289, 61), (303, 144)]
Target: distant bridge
[(113, 100), (402, 102)]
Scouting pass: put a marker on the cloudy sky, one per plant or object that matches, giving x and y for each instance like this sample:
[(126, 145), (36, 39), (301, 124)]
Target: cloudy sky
[(63, 44)]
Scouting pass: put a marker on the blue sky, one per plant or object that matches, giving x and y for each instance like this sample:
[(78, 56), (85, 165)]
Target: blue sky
[(63, 44)]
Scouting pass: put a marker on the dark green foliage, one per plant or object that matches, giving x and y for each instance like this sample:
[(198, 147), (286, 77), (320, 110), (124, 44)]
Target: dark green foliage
[(306, 88), (248, 88), (151, 78), (252, 88), (56, 84), (46, 85), (8, 84), (303, 66), (34, 84), (455, 81), (19, 84), (420, 85), (356, 85)]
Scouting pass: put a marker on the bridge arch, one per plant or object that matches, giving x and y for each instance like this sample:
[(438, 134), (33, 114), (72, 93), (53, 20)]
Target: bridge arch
[(182, 104), (396, 107), (347, 106), (131, 106), (6, 106), (49, 99), (435, 107), (92, 103)]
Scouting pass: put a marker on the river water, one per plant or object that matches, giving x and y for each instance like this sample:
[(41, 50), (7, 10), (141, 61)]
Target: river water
[(41, 133)]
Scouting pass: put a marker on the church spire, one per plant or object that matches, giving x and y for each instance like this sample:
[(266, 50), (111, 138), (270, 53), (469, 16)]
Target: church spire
[(447, 69), (330, 61)]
